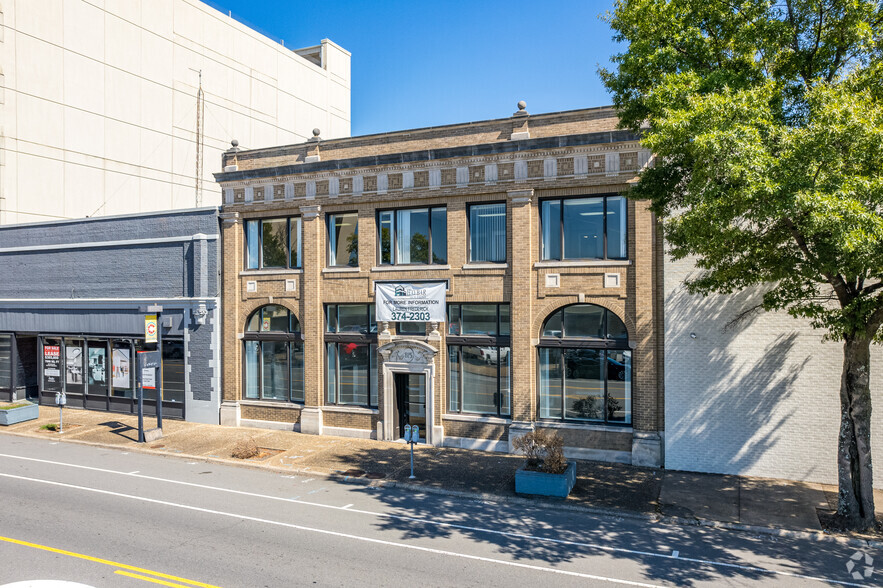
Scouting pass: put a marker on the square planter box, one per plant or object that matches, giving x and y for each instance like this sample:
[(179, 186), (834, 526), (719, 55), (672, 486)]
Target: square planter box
[(19, 415), (543, 484)]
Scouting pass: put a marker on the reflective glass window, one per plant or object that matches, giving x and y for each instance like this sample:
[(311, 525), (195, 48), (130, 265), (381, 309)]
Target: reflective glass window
[(343, 239)]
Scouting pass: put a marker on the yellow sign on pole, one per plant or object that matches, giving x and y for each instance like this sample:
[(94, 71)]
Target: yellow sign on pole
[(150, 328)]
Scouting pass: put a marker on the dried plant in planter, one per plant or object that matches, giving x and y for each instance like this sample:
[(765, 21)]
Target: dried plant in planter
[(544, 451), (245, 449)]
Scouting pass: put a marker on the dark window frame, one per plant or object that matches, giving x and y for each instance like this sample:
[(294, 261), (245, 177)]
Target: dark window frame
[(367, 336), (260, 260), (469, 206), (260, 337), (602, 344), (392, 238), (498, 342), (329, 231), (561, 200)]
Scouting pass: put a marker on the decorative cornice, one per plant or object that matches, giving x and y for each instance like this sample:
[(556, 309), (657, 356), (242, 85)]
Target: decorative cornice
[(408, 351)]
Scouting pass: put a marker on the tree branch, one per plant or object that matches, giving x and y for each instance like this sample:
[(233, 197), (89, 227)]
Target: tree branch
[(837, 282)]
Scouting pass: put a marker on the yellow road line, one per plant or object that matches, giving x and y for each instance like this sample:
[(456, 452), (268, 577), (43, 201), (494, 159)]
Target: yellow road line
[(148, 579), (106, 562)]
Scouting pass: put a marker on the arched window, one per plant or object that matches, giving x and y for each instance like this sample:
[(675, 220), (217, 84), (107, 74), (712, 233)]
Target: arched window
[(585, 366), (274, 355)]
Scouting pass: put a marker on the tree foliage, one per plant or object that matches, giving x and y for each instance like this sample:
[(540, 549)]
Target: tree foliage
[(767, 126), (766, 123)]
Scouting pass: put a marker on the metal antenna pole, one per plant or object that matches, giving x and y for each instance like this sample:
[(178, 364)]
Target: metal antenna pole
[(200, 139)]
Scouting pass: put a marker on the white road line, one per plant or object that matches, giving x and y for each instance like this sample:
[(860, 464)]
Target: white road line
[(425, 521), (346, 507), (133, 473), (344, 535)]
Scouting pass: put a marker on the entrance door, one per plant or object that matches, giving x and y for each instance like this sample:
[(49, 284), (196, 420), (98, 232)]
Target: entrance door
[(410, 402)]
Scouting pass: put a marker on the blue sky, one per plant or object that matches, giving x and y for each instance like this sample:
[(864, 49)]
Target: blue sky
[(418, 63)]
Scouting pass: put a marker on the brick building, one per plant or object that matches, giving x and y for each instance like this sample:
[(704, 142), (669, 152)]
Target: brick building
[(73, 301), (550, 286)]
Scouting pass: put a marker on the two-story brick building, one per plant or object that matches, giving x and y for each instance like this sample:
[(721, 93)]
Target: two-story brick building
[(549, 282)]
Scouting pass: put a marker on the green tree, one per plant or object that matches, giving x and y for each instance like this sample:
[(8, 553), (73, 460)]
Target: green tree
[(766, 125)]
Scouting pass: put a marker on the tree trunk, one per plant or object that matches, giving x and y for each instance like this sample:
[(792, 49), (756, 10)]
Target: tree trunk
[(855, 504)]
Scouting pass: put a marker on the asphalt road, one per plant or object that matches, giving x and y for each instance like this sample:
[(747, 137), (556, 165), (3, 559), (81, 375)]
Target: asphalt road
[(103, 517)]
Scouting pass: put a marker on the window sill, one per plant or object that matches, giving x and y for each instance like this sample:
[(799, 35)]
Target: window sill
[(409, 268), (350, 409), (340, 270), (485, 266), (271, 272), (469, 418), (583, 263), (272, 403), (624, 428)]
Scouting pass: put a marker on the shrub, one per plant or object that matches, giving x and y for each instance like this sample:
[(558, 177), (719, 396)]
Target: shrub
[(50, 427), (245, 449), (544, 451)]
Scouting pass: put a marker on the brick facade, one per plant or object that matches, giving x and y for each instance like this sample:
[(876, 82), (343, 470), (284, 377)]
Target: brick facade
[(519, 161)]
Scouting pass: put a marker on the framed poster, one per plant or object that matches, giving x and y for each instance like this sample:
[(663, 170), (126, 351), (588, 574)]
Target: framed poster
[(97, 366), (52, 365), (121, 368), (73, 365)]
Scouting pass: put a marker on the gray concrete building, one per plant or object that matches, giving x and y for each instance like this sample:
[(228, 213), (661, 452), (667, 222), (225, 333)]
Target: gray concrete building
[(73, 301)]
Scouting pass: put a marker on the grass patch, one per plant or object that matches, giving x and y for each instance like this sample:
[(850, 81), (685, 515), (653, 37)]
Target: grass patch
[(16, 405), (49, 427)]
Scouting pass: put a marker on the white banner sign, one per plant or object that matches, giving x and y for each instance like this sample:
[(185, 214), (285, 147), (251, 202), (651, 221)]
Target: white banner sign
[(410, 302)]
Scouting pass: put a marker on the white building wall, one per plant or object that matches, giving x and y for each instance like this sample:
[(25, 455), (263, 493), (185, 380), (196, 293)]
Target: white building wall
[(758, 398), (98, 103)]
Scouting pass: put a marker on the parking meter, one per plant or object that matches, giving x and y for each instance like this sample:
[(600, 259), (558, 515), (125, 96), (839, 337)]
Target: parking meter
[(60, 400), (412, 435)]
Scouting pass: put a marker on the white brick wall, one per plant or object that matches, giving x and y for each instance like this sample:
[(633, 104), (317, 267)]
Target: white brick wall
[(760, 398)]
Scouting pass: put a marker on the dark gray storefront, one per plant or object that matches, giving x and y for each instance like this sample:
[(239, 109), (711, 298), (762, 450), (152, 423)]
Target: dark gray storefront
[(73, 299)]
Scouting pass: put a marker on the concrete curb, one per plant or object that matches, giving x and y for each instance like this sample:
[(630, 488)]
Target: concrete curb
[(818, 536)]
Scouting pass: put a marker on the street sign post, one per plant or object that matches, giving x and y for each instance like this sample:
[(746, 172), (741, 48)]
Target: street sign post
[(147, 365)]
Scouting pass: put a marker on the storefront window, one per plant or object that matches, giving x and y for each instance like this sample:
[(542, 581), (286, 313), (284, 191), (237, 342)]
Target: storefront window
[(479, 366), (121, 370), (273, 355), (74, 366), (172, 371), (52, 364), (5, 362), (585, 366), (97, 368), (351, 354)]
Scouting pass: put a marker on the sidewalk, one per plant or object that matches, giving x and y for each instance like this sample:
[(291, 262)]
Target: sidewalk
[(756, 504)]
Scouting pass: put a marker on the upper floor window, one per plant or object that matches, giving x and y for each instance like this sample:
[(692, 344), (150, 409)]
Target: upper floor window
[(413, 236), (584, 228), (343, 239), (487, 232), (273, 243)]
